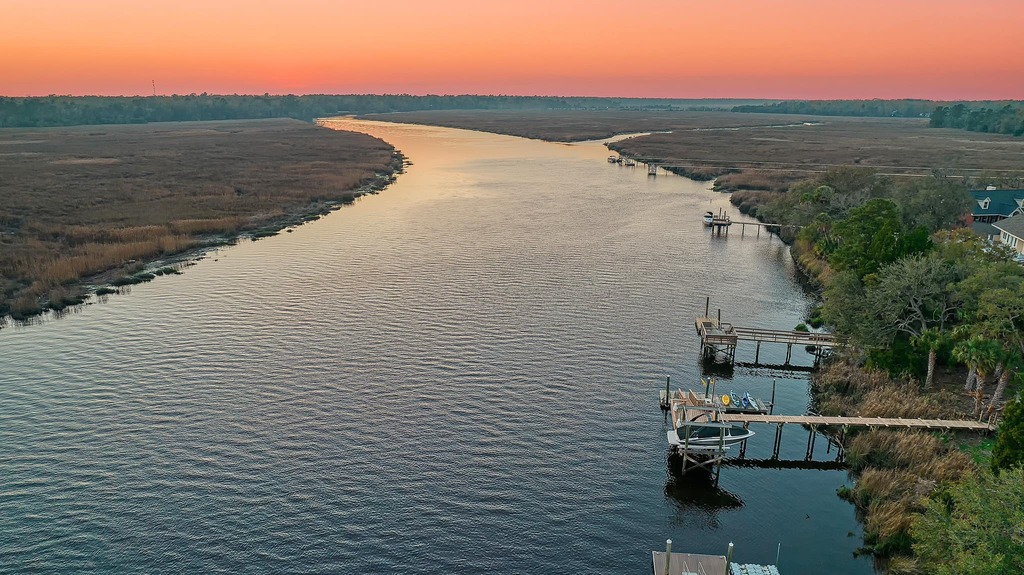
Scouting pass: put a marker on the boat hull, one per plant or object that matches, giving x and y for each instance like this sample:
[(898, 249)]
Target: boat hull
[(734, 435)]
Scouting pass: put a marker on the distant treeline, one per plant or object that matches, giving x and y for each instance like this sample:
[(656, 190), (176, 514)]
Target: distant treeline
[(868, 108), (872, 108), (1006, 120), (78, 110)]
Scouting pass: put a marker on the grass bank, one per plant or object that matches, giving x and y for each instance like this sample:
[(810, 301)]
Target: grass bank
[(94, 204), (897, 470)]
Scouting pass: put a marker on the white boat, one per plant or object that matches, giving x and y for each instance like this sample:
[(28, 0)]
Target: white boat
[(709, 218), (696, 424), (613, 159), (628, 162)]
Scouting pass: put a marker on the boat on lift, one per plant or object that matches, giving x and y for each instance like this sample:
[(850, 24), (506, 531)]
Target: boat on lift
[(696, 424)]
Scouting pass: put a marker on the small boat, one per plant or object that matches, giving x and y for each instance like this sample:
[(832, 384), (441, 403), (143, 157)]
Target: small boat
[(708, 434), (628, 162), (709, 218), (696, 424), (613, 159)]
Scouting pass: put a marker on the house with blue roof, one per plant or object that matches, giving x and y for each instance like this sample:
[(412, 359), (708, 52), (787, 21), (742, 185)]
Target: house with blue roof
[(992, 205)]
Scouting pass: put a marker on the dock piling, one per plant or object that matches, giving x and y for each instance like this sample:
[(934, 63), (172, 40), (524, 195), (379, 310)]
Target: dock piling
[(668, 556)]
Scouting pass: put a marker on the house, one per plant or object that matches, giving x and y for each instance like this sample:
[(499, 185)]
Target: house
[(1011, 232), (992, 205)]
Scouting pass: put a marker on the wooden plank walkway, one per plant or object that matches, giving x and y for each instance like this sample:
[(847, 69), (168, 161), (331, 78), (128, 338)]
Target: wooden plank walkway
[(781, 336), (817, 420)]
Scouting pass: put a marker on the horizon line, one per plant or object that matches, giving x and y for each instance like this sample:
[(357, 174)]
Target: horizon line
[(482, 95)]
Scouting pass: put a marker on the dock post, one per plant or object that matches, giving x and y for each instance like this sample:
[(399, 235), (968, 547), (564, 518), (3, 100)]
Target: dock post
[(810, 442), (758, 231), (720, 455), (757, 352), (728, 558), (686, 448), (743, 229), (789, 352), (743, 445), (668, 556), (771, 409), (668, 396), (778, 441), (707, 306), (719, 317)]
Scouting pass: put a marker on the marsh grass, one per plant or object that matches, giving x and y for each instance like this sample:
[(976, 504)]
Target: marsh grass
[(80, 202), (896, 469)]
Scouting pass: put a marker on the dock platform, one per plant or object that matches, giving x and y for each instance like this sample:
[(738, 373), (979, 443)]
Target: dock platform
[(693, 563), (719, 337)]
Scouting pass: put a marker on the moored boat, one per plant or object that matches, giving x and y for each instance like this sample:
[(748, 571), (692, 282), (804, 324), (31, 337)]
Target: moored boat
[(709, 218), (613, 159), (696, 424)]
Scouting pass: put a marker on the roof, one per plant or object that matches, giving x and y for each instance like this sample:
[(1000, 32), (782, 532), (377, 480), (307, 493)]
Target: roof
[(999, 202), (1013, 226), (984, 230)]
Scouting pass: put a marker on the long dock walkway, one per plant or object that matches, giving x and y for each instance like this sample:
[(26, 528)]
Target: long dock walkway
[(874, 422)]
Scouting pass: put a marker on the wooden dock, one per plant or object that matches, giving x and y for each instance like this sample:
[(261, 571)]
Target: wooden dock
[(718, 337), (669, 563), (688, 563), (712, 459), (871, 422)]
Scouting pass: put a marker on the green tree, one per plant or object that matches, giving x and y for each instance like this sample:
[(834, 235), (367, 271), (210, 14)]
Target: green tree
[(973, 527), (1009, 447), (935, 203), (873, 236), (979, 354), (915, 296), (1001, 312)]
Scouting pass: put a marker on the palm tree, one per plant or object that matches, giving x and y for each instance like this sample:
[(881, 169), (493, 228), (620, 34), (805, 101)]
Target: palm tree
[(1011, 365), (980, 354), (932, 339)]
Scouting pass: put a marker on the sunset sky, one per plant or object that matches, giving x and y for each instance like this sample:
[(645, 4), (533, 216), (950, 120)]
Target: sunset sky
[(938, 49)]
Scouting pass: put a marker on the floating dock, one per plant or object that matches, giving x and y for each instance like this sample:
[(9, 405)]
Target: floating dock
[(669, 563)]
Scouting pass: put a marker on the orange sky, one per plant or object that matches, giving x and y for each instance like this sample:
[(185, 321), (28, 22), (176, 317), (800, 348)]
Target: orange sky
[(939, 49)]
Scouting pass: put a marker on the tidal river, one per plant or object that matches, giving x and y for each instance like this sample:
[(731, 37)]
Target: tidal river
[(458, 375)]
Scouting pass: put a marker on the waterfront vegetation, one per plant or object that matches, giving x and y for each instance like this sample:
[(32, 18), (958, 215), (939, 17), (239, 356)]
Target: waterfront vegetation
[(94, 204), (936, 321)]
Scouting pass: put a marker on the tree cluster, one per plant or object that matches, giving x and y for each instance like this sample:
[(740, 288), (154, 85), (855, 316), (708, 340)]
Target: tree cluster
[(871, 108), (79, 110), (910, 287), (76, 110), (1008, 119)]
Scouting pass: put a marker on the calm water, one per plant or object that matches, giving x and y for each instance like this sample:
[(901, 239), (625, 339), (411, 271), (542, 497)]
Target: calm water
[(459, 375)]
